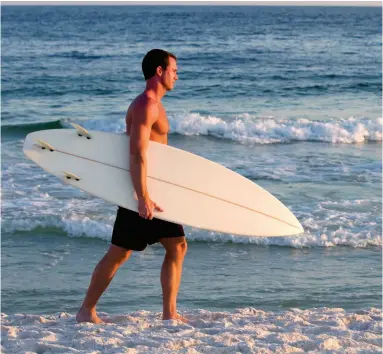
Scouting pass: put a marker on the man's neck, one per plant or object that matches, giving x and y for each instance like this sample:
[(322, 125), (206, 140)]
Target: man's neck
[(155, 91)]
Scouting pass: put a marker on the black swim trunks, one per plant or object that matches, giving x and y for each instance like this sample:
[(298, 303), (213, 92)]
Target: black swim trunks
[(133, 232)]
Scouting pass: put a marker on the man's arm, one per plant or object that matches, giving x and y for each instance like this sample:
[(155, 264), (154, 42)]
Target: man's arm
[(144, 118)]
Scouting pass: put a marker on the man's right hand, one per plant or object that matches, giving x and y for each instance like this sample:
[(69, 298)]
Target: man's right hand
[(146, 207)]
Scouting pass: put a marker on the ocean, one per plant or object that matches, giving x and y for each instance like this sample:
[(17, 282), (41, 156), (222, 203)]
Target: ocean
[(289, 97)]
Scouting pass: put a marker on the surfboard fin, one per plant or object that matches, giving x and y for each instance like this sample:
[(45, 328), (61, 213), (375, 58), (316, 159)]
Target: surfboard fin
[(44, 145), (69, 175), (81, 131)]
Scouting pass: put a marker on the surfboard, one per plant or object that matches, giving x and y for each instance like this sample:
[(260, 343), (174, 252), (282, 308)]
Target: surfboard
[(192, 190)]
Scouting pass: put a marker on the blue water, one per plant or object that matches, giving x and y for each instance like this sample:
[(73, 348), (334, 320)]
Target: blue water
[(289, 97)]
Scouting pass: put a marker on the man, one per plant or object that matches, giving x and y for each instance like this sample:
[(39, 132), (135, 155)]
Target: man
[(145, 120)]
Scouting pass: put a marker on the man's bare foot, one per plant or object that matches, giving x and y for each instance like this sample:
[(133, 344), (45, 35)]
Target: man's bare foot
[(177, 317), (85, 315), (106, 320), (181, 318)]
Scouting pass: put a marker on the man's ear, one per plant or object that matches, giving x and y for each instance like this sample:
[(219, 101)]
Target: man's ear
[(159, 70)]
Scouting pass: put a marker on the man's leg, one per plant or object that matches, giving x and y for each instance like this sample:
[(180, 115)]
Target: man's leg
[(171, 274), (101, 278)]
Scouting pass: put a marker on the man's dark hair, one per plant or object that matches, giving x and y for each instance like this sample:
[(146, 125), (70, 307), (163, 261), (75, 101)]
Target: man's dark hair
[(153, 59)]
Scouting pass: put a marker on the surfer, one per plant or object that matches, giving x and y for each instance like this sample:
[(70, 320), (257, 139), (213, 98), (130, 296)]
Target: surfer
[(145, 120)]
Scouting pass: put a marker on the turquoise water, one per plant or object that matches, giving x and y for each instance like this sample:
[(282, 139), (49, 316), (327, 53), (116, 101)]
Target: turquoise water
[(216, 276)]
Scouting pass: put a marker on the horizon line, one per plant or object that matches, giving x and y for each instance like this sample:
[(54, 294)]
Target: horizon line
[(328, 3)]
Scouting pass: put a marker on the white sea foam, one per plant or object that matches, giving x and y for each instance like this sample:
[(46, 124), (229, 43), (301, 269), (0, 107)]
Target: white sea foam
[(247, 128), (71, 223), (326, 224), (50, 204), (246, 330)]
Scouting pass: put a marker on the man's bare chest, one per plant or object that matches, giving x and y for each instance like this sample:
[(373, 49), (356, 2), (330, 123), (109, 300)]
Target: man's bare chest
[(161, 126)]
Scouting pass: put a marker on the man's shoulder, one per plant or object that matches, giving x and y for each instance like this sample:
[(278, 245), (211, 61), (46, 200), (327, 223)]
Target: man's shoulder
[(144, 107), (143, 102)]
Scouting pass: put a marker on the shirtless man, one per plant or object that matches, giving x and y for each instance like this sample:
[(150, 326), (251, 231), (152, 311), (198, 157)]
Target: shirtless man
[(145, 120)]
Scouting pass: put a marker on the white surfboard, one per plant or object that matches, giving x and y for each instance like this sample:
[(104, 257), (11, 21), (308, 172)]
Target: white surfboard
[(192, 190)]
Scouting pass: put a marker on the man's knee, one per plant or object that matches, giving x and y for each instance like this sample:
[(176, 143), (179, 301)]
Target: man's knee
[(182, 248), (176, 249)]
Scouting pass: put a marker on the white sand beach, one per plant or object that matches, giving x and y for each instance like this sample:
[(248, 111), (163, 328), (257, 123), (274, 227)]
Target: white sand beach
[(248, 330)]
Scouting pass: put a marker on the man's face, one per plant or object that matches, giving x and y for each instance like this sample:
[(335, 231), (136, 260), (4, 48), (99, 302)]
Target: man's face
[(169, 76)]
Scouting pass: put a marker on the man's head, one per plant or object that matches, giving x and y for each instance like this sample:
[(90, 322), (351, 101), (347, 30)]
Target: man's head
[(160, 65)]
